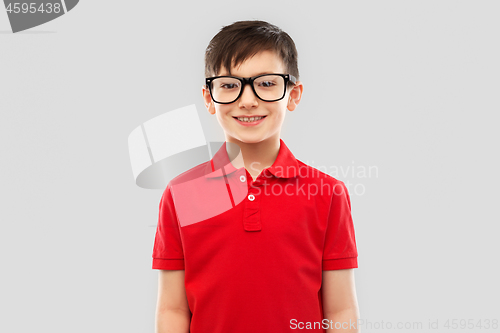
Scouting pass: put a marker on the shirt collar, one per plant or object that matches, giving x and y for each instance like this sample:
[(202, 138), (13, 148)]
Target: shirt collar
[(285, 165)]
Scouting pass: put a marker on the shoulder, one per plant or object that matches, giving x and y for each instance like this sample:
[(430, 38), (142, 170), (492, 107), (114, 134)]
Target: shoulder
[(188, 175), (319, 183), (315, 175)]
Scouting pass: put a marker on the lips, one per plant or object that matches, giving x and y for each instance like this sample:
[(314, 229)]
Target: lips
[(250, 123), (236, 117), (260, 118)]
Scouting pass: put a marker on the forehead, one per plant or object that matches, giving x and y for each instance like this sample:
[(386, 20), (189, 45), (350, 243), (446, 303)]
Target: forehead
[(262, 62)]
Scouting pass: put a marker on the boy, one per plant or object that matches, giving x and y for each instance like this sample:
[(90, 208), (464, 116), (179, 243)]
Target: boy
[(278, 256)]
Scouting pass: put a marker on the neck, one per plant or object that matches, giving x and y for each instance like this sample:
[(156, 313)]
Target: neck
[(253, 156)]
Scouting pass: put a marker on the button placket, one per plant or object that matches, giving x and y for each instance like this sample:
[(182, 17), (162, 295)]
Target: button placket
[(251, 214)]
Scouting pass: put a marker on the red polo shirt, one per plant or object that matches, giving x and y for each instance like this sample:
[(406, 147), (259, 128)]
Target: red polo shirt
[(254, 251)]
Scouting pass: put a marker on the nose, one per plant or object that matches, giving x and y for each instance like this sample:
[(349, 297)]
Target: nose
[(248, 98)]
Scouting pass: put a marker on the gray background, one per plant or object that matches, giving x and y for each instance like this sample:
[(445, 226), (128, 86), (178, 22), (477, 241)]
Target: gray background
[(408, 87)]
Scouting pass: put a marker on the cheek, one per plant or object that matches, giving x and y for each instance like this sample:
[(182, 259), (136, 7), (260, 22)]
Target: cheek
[(280, 111), (223, 109), (222, 113)]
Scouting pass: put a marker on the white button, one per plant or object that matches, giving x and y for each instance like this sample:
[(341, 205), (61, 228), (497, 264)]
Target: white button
[(251, 197), (243, 178)]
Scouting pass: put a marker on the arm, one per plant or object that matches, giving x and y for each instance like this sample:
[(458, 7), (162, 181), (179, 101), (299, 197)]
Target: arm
[(339, 300), (172, 310)]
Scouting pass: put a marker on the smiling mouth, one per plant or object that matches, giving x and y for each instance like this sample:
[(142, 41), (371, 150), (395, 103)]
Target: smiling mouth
[(249, 119)]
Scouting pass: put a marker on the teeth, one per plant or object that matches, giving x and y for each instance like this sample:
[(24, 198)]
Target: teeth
[(249, 119)]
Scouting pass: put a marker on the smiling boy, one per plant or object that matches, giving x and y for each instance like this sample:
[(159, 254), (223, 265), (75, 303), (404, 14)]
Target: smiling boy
[(281, 257)]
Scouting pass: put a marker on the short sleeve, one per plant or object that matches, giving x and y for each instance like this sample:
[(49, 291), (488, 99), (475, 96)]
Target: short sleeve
[(340, 250), (167, 250)]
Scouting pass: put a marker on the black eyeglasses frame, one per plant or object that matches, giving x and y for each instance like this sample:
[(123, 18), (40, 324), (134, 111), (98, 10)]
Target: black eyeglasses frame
[(249, 80)]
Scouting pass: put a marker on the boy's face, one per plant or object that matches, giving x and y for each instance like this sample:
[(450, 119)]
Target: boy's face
[(250, 105)]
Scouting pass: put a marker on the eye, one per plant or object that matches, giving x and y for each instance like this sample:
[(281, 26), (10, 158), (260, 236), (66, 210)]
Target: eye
[(229, 85), (267, 84)]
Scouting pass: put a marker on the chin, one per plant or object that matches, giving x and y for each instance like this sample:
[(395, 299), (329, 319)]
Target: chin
[(251, 138)]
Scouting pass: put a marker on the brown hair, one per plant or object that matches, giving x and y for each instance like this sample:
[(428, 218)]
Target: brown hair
[(243, 39)]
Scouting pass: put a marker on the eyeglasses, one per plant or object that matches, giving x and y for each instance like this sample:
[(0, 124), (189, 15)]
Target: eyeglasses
[(267, 87)]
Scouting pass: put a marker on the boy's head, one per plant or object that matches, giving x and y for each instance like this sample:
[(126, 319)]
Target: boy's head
[(241, 40), (249, 49)]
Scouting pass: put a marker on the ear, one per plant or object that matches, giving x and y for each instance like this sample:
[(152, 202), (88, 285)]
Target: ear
[(295, 95), (209, 103)]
